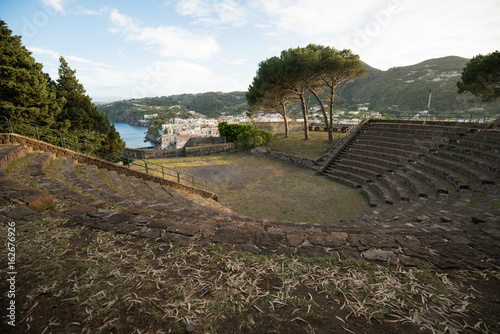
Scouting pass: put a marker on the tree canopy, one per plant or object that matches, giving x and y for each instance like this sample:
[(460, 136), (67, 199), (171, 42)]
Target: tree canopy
[(24, 88), (268, 91), (298, 73), (481, 77), (79, 116), (27, 93)]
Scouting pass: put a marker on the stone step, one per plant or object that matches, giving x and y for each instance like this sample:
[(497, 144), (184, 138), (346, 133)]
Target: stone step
[(36, 173)]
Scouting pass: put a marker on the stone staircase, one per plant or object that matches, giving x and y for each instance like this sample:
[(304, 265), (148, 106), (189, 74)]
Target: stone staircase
[(433, 190)]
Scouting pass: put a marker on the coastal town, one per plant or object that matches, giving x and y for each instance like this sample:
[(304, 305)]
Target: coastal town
[(177, 132)]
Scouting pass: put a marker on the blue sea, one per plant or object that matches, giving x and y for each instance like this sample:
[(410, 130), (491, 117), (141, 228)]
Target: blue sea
[(132, 135)]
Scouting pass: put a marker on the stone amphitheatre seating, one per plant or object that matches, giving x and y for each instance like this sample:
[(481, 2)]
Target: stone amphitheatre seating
[(433, 190)]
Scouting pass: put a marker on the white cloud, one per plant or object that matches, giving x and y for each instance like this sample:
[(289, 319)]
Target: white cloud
[(168, 41), (238, 62), (429, 29), (213, 12), (85, 61), (54, 4), (55, 55), (318, 18), (42, 51), (175, 77), (83, 11)]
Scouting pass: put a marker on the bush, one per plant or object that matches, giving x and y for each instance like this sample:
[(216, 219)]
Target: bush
[(244, 136), (231, 131), (253, 138)]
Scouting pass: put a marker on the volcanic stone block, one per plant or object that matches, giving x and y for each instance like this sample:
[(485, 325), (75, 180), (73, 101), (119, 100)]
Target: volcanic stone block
[(271, 238), (380, 255), (325, 239), (233, 235)]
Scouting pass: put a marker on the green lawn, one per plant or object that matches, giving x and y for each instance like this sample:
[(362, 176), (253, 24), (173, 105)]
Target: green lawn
[(295, 144)]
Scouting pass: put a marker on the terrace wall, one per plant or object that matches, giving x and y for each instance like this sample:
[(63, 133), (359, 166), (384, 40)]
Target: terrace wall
[(59, 152)]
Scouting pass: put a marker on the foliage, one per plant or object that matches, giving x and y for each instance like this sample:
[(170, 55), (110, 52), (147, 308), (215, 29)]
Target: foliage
[(481, 77), (154, 134), (244, 135), (267, 93), (29, 94), (231, 131), (80, 117), (406, 89), (301, 72), (210, 104), (254, 138), (24, 89)]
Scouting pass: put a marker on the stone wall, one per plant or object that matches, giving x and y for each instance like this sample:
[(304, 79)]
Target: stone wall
[(198, 141), (139, 153), (279, 127), (302, 162), (59, 152), (208, 149)]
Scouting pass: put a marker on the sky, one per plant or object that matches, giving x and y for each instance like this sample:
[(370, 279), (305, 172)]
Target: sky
[(124, 49)]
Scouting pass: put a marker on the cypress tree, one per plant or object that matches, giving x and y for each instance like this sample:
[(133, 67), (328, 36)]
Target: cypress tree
[(79, 116), (24, 91)]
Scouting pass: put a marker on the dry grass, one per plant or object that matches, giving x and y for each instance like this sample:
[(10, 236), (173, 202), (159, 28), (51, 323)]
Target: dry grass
[(272, 189), (313, 148), (89, 281)]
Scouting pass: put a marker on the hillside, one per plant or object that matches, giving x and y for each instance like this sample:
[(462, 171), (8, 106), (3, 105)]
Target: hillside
[(407, 88), (210, 104), (399, 89)]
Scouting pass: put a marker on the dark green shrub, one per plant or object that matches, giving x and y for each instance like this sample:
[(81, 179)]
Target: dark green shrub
[(253, 138), (231, 131), (245, 136)]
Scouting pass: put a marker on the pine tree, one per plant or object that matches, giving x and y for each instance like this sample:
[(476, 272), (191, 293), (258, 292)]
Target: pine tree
[(24, 91), (79, 116)]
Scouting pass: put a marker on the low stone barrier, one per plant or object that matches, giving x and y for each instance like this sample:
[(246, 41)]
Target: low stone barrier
[(59, 152), (208, 149), (303, 162)]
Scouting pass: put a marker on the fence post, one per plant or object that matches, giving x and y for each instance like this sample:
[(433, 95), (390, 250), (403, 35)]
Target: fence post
[(163, 172), (37, 135), (192, 179), (146, 165), (63, 145), (178, 177)]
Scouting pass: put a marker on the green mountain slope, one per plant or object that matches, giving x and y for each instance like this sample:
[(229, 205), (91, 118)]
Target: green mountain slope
[(210, 104), (407, 88), (399, 89)]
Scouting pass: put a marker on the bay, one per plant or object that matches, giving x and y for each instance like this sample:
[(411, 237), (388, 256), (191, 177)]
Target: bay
[(132, 135)]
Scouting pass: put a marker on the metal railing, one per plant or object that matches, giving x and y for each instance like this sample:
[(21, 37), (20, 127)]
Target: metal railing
[(341, 142), (473, 117), (41, 133)]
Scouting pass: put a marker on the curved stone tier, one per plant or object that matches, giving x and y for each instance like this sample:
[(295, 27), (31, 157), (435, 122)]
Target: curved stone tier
[(433, 191)]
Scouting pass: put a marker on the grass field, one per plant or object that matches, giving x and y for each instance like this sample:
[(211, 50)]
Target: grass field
[(272, 189), (313, 148)]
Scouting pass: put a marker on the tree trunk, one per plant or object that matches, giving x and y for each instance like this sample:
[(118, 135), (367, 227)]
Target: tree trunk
[(322, 106), (330, 126), (287, 131), (285, 120), (304, 113)]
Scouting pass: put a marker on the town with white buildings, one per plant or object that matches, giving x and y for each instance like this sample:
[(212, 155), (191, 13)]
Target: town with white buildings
[(178, 131)]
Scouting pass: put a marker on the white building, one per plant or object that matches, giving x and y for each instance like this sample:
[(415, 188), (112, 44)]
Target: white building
[(179, 130)]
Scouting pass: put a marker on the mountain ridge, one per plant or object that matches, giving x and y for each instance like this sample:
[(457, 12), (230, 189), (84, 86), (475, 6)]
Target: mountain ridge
[(396, 90)]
